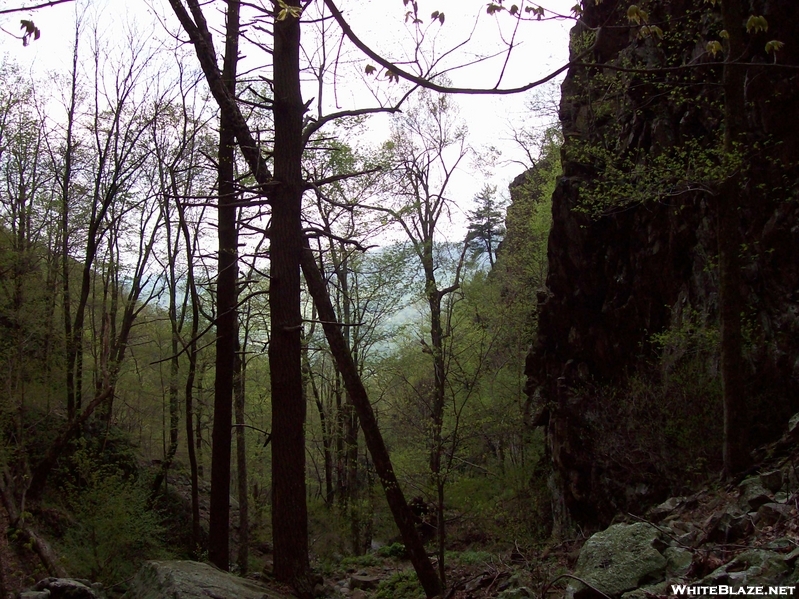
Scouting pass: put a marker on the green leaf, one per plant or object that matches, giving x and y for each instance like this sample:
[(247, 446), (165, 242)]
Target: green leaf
[(756, 23), (637, 15), (774, 46), (287, 11), (713, 47), (651, 30)]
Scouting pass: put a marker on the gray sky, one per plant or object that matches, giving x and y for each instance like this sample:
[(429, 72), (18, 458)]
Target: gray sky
[(540, 48)]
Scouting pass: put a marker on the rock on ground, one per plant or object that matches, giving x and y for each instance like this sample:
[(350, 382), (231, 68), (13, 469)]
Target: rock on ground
[(193, 580), (620, 558)]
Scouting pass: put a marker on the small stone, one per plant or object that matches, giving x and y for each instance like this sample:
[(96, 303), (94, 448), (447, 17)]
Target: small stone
[(667, 507), (517, 593), (783, 544), (360, 581), (511, 582), (475, 584), (770, 513), (678, 561), (772, 480), (358, 594), (753, 494), (754, 566), (793, 425)]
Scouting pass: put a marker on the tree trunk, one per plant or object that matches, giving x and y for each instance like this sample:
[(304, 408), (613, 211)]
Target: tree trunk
[(189, 389), (174, 364), (243, 556), (226, 318), (437, 403), (287, 152), (289, 509), (65, 182), (374, 441), (729, 202)]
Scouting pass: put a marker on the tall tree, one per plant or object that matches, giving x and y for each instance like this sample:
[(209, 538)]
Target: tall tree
[(226, 314), (729, 203), (486, 224), (115, 150), (428, 144), (284, 192)]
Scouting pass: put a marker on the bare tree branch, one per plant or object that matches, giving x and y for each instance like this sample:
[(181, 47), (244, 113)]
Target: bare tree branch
[(34, 7)]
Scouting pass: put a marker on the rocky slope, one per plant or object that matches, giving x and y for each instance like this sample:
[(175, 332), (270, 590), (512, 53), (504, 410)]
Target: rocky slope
[(744, 536), (633, 248)]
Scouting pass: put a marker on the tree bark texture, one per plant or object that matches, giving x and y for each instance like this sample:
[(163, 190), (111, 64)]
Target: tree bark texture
[(289, 509), (243, 555), (191, 351), (226, 316), (729, 202)]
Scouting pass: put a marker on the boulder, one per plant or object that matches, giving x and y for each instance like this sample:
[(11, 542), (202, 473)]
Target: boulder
[(193, 580), (517, 593), (364, 581), (665, 509), (659, 589), (65, 588), (771, 513), (728, 525), (752, 567), (753, 494), (793, 426), (678, 561), (619, 559), (772, 480)]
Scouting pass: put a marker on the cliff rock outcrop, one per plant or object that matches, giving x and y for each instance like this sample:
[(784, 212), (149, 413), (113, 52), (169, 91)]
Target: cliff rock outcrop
[(632, 286)]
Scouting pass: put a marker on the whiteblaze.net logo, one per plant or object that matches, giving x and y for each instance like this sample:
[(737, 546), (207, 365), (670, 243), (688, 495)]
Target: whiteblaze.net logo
[(685, 590)]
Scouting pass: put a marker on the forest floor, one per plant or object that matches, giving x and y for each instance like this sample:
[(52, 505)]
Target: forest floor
[(478, 570), (19, 567)]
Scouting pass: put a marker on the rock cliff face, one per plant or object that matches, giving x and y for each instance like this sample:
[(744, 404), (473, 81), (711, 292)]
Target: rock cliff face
[(632, 250)]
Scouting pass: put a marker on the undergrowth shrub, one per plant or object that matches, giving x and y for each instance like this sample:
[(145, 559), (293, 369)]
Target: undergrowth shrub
[(395, 550), (507, 506), (659, 431), (112, 530), (402, 585)]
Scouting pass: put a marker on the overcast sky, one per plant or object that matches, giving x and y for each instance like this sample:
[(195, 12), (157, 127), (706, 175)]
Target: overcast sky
[(540, 48)]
